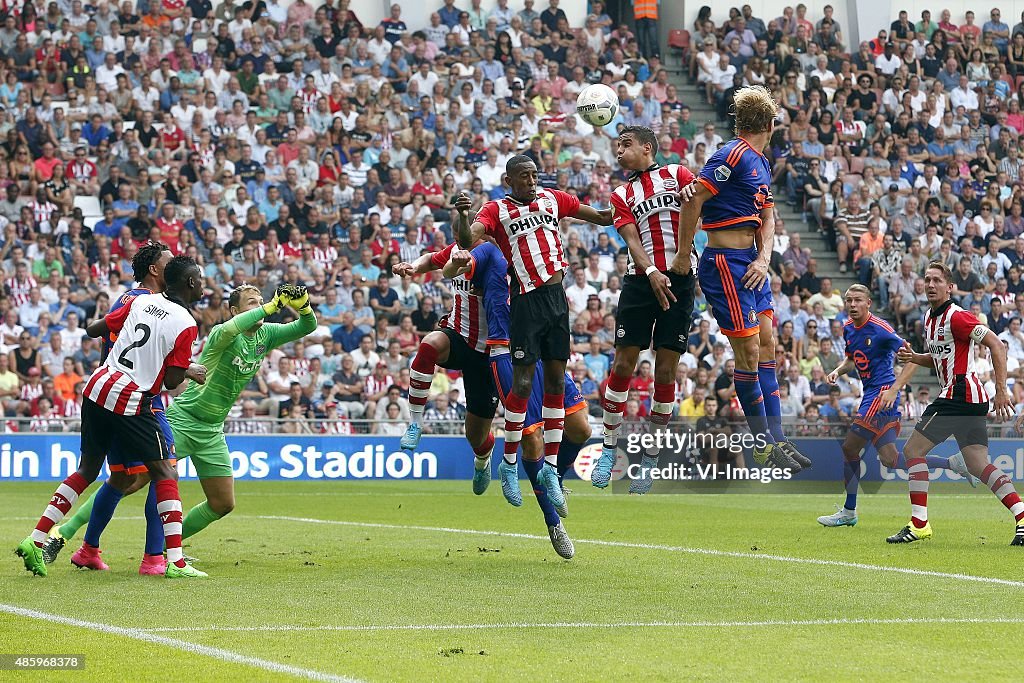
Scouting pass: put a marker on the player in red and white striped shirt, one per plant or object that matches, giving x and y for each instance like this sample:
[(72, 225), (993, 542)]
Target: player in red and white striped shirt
[(155, 333), (524, 225), (460, 344), (962, 406), (656, 305)]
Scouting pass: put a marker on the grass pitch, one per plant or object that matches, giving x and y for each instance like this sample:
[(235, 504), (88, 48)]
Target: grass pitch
[(422, 581)]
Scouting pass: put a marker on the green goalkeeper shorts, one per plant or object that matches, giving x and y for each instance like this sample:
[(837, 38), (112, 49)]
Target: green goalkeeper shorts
[(203, 443)]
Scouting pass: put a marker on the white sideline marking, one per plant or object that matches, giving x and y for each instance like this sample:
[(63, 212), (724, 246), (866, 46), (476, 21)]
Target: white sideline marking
[(593, 624), (183, 645), (666, 548)]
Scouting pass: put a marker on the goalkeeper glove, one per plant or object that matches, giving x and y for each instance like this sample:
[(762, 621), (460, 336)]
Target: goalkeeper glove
[(296, 297), (274, 305)]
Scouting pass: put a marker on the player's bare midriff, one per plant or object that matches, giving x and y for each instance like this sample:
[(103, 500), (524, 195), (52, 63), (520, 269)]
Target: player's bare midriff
[(731, 238)]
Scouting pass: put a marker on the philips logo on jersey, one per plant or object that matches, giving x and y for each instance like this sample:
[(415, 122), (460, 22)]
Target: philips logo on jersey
[(463, 285), (244, 367), (532, 222), (659, 202)]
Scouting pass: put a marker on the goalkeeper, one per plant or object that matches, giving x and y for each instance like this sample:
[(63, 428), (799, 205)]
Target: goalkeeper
[(233, 354)]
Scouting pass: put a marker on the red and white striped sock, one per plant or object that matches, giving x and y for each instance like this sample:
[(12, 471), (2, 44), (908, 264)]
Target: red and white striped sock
[(483, 451), (663, 404), (554, 424), (917, 471), (515, 416), (614, 402), (1002, 486), (60, 504), (168, 505), (421, 374)]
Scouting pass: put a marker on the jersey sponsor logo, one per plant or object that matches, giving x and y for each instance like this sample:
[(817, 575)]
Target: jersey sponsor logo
[(860, 359), (245, 368), (532, 222), (941, 349), (659, 202), (462, 284), (722, 173)]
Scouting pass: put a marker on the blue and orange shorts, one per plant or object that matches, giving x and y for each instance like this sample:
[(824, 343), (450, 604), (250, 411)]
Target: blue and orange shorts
[(736, 309), (875, 425), (501, 368)]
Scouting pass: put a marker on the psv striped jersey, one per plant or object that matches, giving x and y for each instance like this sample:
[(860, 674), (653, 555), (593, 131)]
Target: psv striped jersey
[(153, 333), (467, 314), (527, 234), (650, 200), (739, 177), (108, 343), (951, 333)]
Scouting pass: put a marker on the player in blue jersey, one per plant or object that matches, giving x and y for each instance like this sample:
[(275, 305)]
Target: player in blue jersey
[(871, 346), (148, 270), (734, 199)]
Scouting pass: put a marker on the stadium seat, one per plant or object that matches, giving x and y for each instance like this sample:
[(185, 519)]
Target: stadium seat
[(89, 205), (679, 43)]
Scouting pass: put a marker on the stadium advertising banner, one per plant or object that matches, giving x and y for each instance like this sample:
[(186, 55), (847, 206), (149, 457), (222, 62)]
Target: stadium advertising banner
[(51, 457)]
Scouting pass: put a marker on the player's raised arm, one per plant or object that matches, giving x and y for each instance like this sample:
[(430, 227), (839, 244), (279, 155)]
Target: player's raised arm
[(461, 261), (297, 298), (689, 214), (246, 299), (1002, 406), (466, 234)]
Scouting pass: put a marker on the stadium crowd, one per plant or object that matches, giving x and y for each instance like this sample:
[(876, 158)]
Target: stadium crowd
[(300, 145)]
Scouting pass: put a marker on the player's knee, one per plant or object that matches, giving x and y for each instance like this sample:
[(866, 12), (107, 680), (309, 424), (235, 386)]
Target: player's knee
[(123, 482), (888, 456), (749, 348), (851, 452), (89, 469), (578, 431), (223, 506)]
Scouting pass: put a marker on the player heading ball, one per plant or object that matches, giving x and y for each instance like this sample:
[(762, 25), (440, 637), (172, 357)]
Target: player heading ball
[(734, 199)]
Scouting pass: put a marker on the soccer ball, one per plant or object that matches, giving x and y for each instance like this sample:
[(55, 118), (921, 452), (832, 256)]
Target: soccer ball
[(597, 104)]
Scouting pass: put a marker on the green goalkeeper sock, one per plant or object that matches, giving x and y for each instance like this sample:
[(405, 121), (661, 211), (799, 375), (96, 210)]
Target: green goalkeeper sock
[(197, 519), (72, 524)]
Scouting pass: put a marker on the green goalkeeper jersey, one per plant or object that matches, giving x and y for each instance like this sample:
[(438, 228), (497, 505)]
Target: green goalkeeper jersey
[(232, 359)]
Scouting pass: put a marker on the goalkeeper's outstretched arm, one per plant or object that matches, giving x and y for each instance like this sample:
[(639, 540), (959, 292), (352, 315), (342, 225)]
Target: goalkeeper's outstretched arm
[(297, 298)]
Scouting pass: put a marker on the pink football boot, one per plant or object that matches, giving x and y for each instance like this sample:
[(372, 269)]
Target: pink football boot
[(88, 557), (153, 565)]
